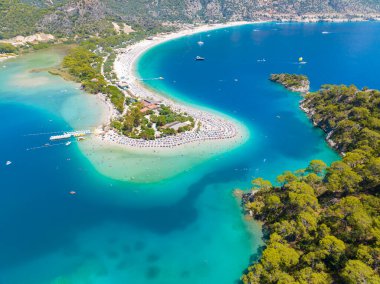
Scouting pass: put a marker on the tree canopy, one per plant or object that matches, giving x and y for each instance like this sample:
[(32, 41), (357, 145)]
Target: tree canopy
[(323, 223)]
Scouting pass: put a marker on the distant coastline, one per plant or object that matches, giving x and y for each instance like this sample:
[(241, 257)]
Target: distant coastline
[(322, 18)]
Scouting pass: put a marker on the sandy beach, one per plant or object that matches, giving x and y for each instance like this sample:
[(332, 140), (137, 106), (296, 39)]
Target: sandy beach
[(3, 58), (141, 161), (214, 127)]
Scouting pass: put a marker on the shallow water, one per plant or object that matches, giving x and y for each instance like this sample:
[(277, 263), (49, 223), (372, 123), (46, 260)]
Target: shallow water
[(185, 229), (110, 231)]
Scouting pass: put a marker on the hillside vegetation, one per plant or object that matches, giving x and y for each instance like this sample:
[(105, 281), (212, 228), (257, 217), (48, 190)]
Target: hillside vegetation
[(350, 116), (212, 10), (84, 66), (17, 18), (323, 223), (86, 17)]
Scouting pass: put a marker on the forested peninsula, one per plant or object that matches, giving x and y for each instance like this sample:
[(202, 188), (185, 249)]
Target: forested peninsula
[(322, 224)]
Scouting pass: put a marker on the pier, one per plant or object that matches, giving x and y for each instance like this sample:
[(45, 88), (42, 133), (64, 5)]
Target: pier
[(67, 135)]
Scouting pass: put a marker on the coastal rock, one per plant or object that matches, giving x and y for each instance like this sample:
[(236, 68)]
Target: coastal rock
[(247, 197)]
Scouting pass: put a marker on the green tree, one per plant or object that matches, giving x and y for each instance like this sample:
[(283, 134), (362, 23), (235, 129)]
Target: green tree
[(279, 255), (310, 276), (350, 219), (286, 178), (316, 166), (301, 201), (286, 229), (356, 272), (342, 178), (273, 202), (306, 224), (332, 249), (369, 255), (260, 183)]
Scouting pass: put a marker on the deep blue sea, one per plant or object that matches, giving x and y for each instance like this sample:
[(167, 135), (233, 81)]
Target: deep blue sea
[(189, 228)]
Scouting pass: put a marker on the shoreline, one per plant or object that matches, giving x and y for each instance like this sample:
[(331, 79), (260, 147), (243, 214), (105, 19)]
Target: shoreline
[(4, 58), (214, 126), (309, 113), (160, 161), (222, 127)]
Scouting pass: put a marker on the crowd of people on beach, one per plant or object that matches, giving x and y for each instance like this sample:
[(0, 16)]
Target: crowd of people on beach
[(210, 126)]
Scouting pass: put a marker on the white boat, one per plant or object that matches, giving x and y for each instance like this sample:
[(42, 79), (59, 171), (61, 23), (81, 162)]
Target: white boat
[(68, 143), (200, 43), (261, 60), (8, 163), (199, 58)]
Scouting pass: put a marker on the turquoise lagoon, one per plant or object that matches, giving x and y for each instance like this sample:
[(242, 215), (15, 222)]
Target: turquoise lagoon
[(187, 228)]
